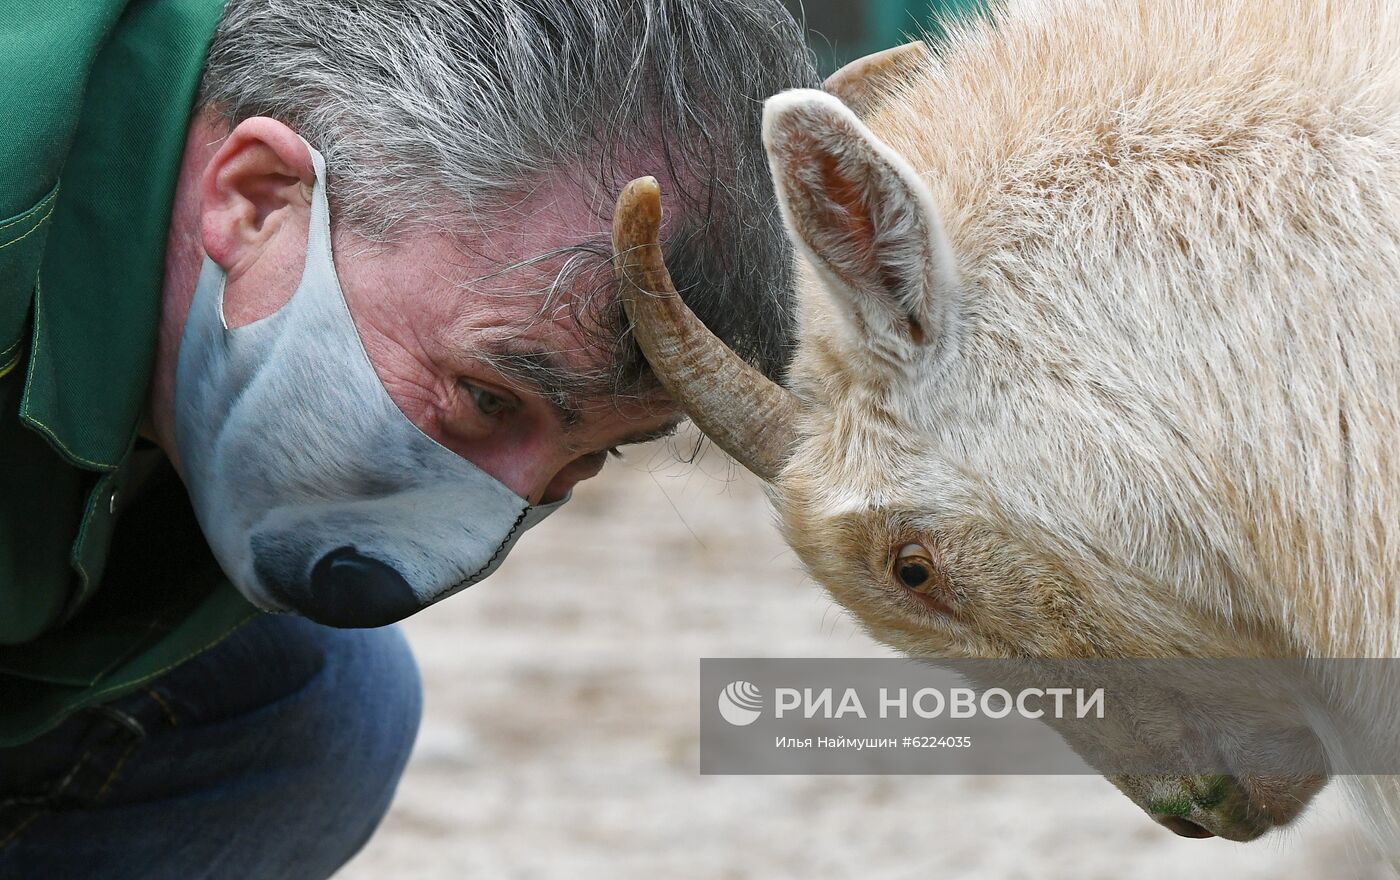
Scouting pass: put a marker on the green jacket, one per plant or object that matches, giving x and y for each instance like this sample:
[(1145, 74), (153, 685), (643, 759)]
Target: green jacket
[(105, 581)]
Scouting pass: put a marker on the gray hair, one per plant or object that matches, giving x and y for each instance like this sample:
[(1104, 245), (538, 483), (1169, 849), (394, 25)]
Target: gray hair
[(429, 110)]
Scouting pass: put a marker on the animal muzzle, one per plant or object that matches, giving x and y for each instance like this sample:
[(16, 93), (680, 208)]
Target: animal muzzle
[(1227, 806)]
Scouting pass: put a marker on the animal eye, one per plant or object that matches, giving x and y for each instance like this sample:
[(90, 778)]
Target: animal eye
[(913, 565)]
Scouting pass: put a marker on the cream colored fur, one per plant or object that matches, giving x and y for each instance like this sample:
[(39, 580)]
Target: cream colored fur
[(1161, 414)]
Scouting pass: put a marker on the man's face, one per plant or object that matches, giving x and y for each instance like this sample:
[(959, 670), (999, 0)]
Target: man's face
[(444, 317), (442, 324)]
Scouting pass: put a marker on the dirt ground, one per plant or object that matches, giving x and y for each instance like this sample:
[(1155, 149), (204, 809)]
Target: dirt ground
[(561, 733)]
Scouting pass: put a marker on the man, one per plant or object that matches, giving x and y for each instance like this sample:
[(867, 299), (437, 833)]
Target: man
[(194, 426)]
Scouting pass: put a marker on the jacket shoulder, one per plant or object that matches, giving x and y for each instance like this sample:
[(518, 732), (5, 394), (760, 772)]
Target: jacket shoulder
[(46, 53)]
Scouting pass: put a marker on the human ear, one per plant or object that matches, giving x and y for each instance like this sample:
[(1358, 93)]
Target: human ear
[(258, 181)]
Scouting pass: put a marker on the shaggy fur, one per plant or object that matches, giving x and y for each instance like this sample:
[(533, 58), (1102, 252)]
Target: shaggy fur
[(1160, 414)]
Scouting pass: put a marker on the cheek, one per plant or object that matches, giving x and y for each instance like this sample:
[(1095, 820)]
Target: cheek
[(395, 319), (844, 577), (265, 286), (424, 397)]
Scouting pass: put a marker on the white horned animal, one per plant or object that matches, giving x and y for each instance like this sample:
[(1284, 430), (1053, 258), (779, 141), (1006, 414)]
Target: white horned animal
[(1099, 346)]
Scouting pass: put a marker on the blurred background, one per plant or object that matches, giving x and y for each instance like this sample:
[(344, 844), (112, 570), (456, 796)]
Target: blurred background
[(843, 30), (560, 738)]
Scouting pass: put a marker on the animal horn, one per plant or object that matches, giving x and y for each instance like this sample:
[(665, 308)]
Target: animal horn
[(751, 417), (866, 82)]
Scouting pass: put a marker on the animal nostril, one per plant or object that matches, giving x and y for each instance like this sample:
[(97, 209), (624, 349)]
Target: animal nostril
[(1184, 827)]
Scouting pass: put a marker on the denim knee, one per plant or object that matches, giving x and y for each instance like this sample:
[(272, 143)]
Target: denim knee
[(307, 763), (275, 754), (355, 733)]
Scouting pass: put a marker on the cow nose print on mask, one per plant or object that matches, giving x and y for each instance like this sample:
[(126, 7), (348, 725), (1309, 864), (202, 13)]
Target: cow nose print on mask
[(349, 589)]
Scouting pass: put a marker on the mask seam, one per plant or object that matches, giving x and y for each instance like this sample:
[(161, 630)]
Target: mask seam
[(470, 579)]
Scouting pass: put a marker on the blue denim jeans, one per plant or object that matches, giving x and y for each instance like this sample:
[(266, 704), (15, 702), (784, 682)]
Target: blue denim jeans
[(275, 754)]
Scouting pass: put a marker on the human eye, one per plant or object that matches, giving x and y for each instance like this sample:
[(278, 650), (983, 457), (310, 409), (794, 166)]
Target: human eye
[(487, 402)]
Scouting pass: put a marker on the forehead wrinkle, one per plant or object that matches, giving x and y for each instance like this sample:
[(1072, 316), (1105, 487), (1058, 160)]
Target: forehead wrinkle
[(552, 294)]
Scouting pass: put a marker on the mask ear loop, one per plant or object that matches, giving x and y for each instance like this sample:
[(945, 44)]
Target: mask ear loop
[(219, 300), (318, 230)]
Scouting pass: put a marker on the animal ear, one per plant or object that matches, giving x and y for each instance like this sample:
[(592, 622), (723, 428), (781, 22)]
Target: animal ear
[(864, 218), (865, 82)]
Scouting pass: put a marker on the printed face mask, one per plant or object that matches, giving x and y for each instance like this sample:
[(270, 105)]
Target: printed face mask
[(315, 492)]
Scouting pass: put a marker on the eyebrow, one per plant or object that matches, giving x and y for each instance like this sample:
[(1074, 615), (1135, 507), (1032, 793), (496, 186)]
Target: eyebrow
[(544, 371), (567, 389)]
